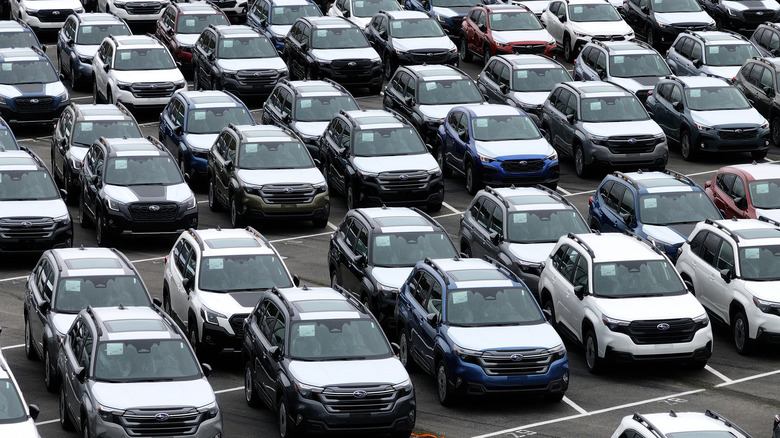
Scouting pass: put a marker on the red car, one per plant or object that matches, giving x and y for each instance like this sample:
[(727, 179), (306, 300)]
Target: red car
[(500, 29), (747, 191), (182, 23)]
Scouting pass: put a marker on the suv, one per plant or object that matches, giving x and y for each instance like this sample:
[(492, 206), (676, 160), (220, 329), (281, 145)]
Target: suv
[(518, 227), (42, 16), (306, 108), (375, 157), (129, 371), (622, 299), (662, 207), (496, 145), (7, 138), (424, 94), (17, 33), (746, 191), (133, 187), (78, 42), (274, 18), (235, 10), (134, 11), (330, 47), (33, 216), (659, 22), (758, 80), (265, 172), (475, 327), (135, 70), (574, 23), (191, 122), (633, 65), (319, 359), (182, 23), (718, 54), (360, 12), (63, 282), (18, 418), (766, 38), (213, 278), (77, 128), (30, 89), (733, 267), (705, 114), (742, 16), (374, 249), (599, 123), (677, 423), (238, 59), (450, 14)]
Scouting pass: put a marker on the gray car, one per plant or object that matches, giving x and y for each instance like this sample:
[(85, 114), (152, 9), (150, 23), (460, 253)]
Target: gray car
[(715, 53)]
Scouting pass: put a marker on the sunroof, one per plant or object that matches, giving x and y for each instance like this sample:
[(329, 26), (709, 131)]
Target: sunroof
[(598, 88), (324, 306), (378, 120), (211, 99), (477, 275), (531, 199), (135, 325), (759, 233), (93, 263), (315, 88), (238, 242), (662, 182), (136, 147), (438, 72), (100, 111), (15, 161), (402, 221)]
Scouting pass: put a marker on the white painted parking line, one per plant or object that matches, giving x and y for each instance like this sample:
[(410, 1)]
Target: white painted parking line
[(564, 191), (586, 192), (718, 374), (12, 346), (450, 208), (745, 379), (237, 388), (331, 226), (574, 406), (702, 173), (14, 278), (41, 423)]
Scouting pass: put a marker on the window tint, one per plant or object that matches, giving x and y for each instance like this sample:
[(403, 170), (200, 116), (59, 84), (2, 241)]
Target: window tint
[(698, 242), (711, 247)]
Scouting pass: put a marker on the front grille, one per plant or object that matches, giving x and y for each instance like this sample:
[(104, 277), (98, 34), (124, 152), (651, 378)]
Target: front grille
[(258, 77), (519, 166), (27, 228), (631, 145), (144, 421), (737, 133), (533, 49), (421, 56), (650, 332), (143, 8), (358, 399), (151, 90), (237, 324), (54, 15), (758, 16), (609, 37), (683, 26), (288, 194), (413, 180), (33, 104), (145, 212), (352, 66), (525, 362)]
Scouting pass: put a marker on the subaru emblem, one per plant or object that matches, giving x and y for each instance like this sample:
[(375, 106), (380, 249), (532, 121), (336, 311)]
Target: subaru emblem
[(288, 190), (34, 100), (153, 86), (27, 224), (663, 326), (631, 141), (352, 64), (523, 163), (257, 73), (759, 13), (154, 208), (55, 13), (739, 131), (403, 177), (162, 416), (359, 393), (516, 357)]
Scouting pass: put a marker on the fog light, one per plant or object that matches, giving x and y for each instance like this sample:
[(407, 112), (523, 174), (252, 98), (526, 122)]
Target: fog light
[(701, 145), (766, 142), (298, 419), (565, 378)]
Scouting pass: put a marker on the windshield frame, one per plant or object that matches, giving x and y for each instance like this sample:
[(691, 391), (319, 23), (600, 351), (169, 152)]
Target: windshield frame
[(196, 376), (373, 244), (378, 331), (513, 322)]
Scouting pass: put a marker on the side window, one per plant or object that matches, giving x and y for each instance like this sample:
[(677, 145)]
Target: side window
[(593, 55), (352, 234), (725, 257), (585, 54), (615, 196), (185, 249), (604, 190), (67, 124), (481, 18), (676, 94), (725, 182), (766, 79), (503, 75), (697, 243), (569, 264), (85, 356), (433, 303), (678, 46), (361, 246), (665, 91), (760, 37), (571, 105), (485, 213), (74, 337), (409, 86), (414, 285), (497, 221), (110, 55), (273, 325), (627, 203), (191, 266), (629, 433), (581, 273), (424, 288), (696, 52), (178, 112), (738, 189), (601, 62), (563, 99), (382, 26), (99, 162), (687, 47), (221, 144), (285, 99), (557, 257), (755, 74), (46, 285), (304, 37), (554, 97), (774, 41), (230, 144), (264, 7), (475, 207), (711, 247)]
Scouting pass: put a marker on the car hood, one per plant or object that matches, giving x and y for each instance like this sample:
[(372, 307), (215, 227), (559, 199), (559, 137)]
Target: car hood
[(601, 27), (434, 43), (186, 39), (333, 54), (49, 89), (726, 72), (195, 393), (650, 308), (507, 337), (683, 17), (86, 49), (639, 127), (62, 321), (514, 148), (392, 277), (56, 4), (360, 21), (531, 252), (451, 12), (231, 303), (522, 36), (636, 84), (672, 234), (278, 30), (348, 372), (168, 75), (773, 214), (47, 208), (202, 142), (22, 429), (763, 290), (78, 152), (149, 193), (273, 63), (396, 163), (753, 4), (531, 98), (724, 118), (313, 129), (535, 6), (259, 177), (439, 111)]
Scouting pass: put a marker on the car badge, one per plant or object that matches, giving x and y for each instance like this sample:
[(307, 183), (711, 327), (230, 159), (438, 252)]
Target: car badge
[(631, 141), (403, 177), (34, 100), (153, 86), (359, 393), (663, 326), (352, 64), (430, 54), (739, 131), (55, 13), (143, 5), (516, 357), (154, 208), (257, 73), (27, 224), (759, 13), (162, 416), (522, 163), (288, 190)]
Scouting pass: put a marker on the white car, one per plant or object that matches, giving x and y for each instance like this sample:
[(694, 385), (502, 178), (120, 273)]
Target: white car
[(17, 418), (622, 299), (44, 14), (733, 267), (147, 11), (360, 12), (676, 424)]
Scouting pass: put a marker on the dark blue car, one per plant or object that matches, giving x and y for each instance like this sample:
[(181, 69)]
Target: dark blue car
[(7, 139), (274, 18)]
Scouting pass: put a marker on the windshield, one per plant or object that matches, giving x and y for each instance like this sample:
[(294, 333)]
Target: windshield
[(760, 263), (11, 406), (86, 132), (213, 120), (415, 28), (7, 140), (667, 6), (730, 54), (632, 66), (676, 208), (320, 109), (455, 3), (395, 250), (514, 21), (387, 141), (538, 79), (249, 47), (284, 155), (502, 128), (486, 306), (340, 38), (143, 59), (135, 171), (765, 193), (448, 92), (242, 273), (152, 360), (26, 185), (715, 99), (593, 12), (94, 34), (612, 109), (338, 339), (543, 226), (195, 23), (18, 39), (27, 72), (636, 278), (286, 15), (369, 8), (76, 293)]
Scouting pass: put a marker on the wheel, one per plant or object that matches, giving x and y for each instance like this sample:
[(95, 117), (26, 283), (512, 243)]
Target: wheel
[(549, 307), (650, 37), (95, 94), (579, 162), (719, 23), (472, 185), (444, 390), (250, 395), (201, 351), (109, 97), (547, 133), (465, 249), (286, 426), (741, 331), (71, 187), (320, 222), (434, 207), (29, 350), (75, 81), (236, 218), (446, 171), (60, 64), (102, 234), (688, 152), (594, 224), (403, 351), (390, 67), (568, 50), (758, 155), (65, 422), (465, 55), (775, 130), (195, 79), (334, 279), (215, 84), (352, 202), (183, 167), (49, 375), (166, 300), (367, 302), (83, 219), (486, 54), (214, 204), (592, 359)]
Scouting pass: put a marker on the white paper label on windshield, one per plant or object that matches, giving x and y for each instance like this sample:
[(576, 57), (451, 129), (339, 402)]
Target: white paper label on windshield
[(216, 263), (357, 4), (595, 106), (86, 29), (382, 240), (522, 74), (618, 59), (762, 188), (124, 56), (695, 93), (650, 202), (86, 127), (251, 148), (460, 297), (752, 253), (496, 17), (120, 164), (713, 50), (482, 123), (115, 349), (200, 115), (189, 22), (322, 33), (367, 136), (73, 285), (7, 66), (305, 103), (278, 10), (520, 218), (430, 86), (227, 43), (396, 24), (306, 330), (607, 270)]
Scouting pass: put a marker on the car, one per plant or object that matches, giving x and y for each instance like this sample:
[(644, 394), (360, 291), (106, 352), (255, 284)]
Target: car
[(238, 59), (757, 80), (374, 250), (518, 227), (43, 16), (475, 327), (708, 115), (79, 126), (602, 124), (449, 13), (137, 71), (274, 18), (146, 12), (142, 353), (191, 122), (373, 157), (132, 186), (766, 38), (621, 298), (536, 6), (17, 33), (18, 418), (334, 48), (308, 352), (7, 138), (662, 207), (182, 23), (409, 37), (497, 145), (674, 423), (659, 22), (716, 53), (306, 108), (503, 29), (424, 94), (63, 282), (213, 278), (33, 215), (361, 12), (748, 191), (742, 17), (633, 65), (264, 173), (523, 81), (235, 10), (574, 23), (31, 91), (732, 266), (78, 42)]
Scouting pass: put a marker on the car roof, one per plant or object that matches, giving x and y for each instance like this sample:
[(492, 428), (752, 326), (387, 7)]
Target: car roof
[(13, 159), (450, 268), (435, 72), (624, 47), (686, 422), (406, 15), (197, 8), (372, 119), (262, 132), (92, 111), (208, 98), (13, 26), (749, 232), (149, 323), (612, 247), (135, 40), (581, 2), (758, 170), (291, 2), (231, 241), (505, 8), (597, 88), (325, 22), (90, 261), (701, 81), (98, 18), (397, 219), (491, 109), (316, 88), (236, 30), (21, 54), (128, 147), (717, 36), (531, 198), (529, 61), (297, 297), (659, 182)]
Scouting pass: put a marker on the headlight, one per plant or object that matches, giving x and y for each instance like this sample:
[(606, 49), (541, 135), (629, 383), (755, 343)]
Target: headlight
[(441, 18), (454, 49), (598, 139), (190, 203), (3, 101), (387, 291), (107, 414), (307, 391), (486, 159), (467, 355), (376, 60), (211, 410), (211, 316), (552, 156), (400, 52), (62, 220), (558, 352), (85, 59), (764, 125), (31, 12), (124, 85), (432, 122), (702, 320), (661, 25), (321, 188), (404, 387), (581, 34), (75, 163), (731, 12), (79, 10), (615, 325), (766, 306), (323, 61), (182, 84), (367, 174), (435, 172), (113, 204), (701, 127), (63, 96), (253, 190), (120, 3), (661, 245)]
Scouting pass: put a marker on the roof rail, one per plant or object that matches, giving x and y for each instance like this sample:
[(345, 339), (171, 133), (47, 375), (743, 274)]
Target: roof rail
[(502, 268), (157, 143), (426, 216), (192, 232), (365, 216), (91, 313), (720, 226), (641, 419), (34, 156), (714, 415), (680, 176), (257, 234), (649, 241), (582, 243), (351, 298), (554, 194), (769, 221), (493, 192), (275, 290), (626, 178), (436, 268)]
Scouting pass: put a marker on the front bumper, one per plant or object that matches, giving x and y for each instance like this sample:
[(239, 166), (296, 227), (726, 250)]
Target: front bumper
[(602, 155), (372, 193), (371, 76), (130, 100), (210, 428), (122, 222), (620, 347), (37, 240), (668, 33), (256, 208), (217, 337), (250, 85), (531, 48), (715, 140), (138, 17), (471, 379), (764, 326), (34, 113), (426, 57), (494, 174)]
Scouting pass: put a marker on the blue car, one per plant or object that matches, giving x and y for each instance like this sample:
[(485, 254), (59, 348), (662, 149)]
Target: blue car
[(477, 329), (17, 33), (190, 123), (274, 18), (31, 90), (498, 145), (7, 139), (662, 207)]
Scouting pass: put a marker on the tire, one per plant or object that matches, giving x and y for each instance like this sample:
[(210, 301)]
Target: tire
[(49, 376), (65, 421), (215, 84), (547, 304), (183, 167), (465, 249), (775, 130), (434, 207), (758, 155), (75, 82), (286, 427), (103, 236), (686, 149), (109, 97), (486, 55), (83, 219), (444, 391), (403, 352), (236, 218), (320, 222), (375, 88), (72, 189), (390, 67), (29, 350), (197, 346), (568, 51), (472, 185), (167, 300), (594, 224), (579, 162), (740, 330), (95, 93), (592, 360), (719, 23), (465, 55), (195, 79), (547, 133), (214, 204), (250, 392), (446, 171), (334, 279), (650, 37), (352, 201)]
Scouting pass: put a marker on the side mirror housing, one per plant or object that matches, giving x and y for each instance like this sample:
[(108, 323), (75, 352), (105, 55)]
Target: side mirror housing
[(228, 165), (432, 318), (287, 118), (169, 32), (263, 22), (179, 130), (571, 119), (187, 285), (504, 88), (70, 42), (157, 302), (463, 135), (63, 194), (206, 369), (45, 307), (725, 274), (360, 260), (81, 374), (275, 352), (495, 238), (346, 14), (645, 9), (697, 63), (34, 411), (768, 91), (483, 27), (304, 47), (562, 18), (741, 203), (296, 280), (677, 105), (409, 100), (579, 291), (106, 67), (628, 219)]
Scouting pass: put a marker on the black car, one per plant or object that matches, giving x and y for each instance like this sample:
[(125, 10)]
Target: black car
[(659, 22), (767, 39), (740, 15), (758, 80)]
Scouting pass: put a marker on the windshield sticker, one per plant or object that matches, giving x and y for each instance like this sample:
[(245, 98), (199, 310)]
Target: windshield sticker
[(227, 44), (200, 115), (120, 164), (305, 103), (522, 74), (460, 297), (124, 56), (430, 86), (396, 24), (216, 263), (595, 106), (306, 330), (577, 10), (496, 17), (762, 188), (322, 33), (7, 66), (367, 136), (115, 349), (695, 93), (752, 253), (520, 218), (190, 22), (86, 29), (713, 50), (251, 148), (73, 285), (482, 123), (86, 127), (607, 270), (650, 202), (278, 11), (357, 4), (618, 59), (382, 240)]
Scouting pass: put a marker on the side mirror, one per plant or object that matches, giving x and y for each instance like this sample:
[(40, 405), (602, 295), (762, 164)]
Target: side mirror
[(81, 374), (157, 302), (776, 423), (562, 18), (628, 219), (70, 42), (187, 285), (45, 307), (383, 34), (64, 143), (169, 32), (776, 52), (212, 56), (63, 194), (287, 118), (740, 202), (304, 47), (504, 88), (697, 63), (495, 238), (43, 47), (346, 14), (547, 314), (263, 22), (296, 280), (571, 119), (360, 260), (95, 179), (228, 165), (725, 274), (645, 9), (34, 411), (463, 135), (483, 27), (409, 100), (677, 105), (708, 184), (396, 348), (432, 318), (179, 130), (206, 369), (275, 352), (106, 67), (579, 291), (768, 91)]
